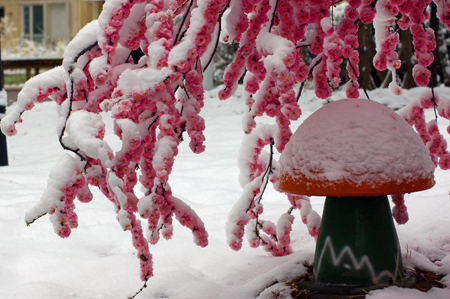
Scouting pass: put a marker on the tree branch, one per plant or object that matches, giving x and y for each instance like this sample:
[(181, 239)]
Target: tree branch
[(310, 72), (273, 16), (217, 34), (359, 79), (175, 41)]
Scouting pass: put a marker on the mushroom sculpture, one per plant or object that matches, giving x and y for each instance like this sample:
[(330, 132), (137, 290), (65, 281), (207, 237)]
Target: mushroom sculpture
[(356, 152)]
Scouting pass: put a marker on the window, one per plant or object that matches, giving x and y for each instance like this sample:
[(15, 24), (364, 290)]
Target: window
[(47, 22), (33, 23)]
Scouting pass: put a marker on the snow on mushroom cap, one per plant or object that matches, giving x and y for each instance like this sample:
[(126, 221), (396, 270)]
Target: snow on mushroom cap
[(355, 148)]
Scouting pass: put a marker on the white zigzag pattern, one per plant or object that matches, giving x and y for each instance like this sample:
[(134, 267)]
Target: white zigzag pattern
[(365, 261)]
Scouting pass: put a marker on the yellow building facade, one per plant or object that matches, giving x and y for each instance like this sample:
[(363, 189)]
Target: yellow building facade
[(49, 21)]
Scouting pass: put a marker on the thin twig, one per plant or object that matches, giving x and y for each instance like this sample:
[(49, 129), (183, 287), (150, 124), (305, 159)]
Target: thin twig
[(140, 290), (182, 24), (310, 72), (267, 173), (80, 54), (76, 151), (29, 223), (434, 103), (217, 34), (181, 6), (265, 178), (358, 79), (273, 16), (70, 70), (153, 122)]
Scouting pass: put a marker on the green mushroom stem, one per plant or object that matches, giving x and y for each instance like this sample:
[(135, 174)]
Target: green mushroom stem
[(357, 248)]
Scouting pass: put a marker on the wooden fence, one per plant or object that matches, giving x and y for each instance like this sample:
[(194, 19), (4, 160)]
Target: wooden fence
[(31, 63)]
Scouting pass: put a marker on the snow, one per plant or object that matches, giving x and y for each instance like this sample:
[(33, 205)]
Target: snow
[(98, 259), (85, 38), (3, 98), (83, 127)]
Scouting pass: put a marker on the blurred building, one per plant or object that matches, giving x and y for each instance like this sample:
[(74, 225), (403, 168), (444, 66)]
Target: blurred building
[(49, 21)]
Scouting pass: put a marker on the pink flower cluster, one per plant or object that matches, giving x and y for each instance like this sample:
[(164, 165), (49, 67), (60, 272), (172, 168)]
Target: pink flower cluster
[(192, 103), (277, 239), (247, 43), (429, 131), (399, 211), (321, 86), (308, 215), (141, 245), (58, 93), (188, 218), (333, 51), (443, 12), (64, 211), (255, 165), (148, 173), (116, 20), (424, 44), (286, 19), (387, 58)]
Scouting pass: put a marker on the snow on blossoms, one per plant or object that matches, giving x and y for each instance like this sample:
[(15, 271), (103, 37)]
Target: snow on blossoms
[(142, 62)]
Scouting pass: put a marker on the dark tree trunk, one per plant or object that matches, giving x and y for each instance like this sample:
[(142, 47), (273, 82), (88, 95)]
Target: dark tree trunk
[(366, 53), (434, 24), (405, 55)]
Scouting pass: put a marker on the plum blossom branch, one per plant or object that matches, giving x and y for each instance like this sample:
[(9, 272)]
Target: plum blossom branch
[(359, 79)]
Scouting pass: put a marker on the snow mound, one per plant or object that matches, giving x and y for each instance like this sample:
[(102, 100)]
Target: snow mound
[(355, 148)]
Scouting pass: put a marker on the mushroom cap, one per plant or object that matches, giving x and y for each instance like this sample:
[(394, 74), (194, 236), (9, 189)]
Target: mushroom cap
[(355, 147)]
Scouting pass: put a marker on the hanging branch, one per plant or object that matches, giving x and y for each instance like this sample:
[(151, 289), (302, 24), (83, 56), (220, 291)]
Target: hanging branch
[(75, 151), (359, 79), (267, 172), (186, 14), (273, 15), (318, 61), (217, 34)]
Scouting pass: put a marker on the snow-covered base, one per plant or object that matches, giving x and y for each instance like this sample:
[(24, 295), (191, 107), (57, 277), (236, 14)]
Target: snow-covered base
[(98, 259)]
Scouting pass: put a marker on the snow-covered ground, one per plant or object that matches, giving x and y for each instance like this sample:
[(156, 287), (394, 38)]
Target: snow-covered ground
[(98, 259)]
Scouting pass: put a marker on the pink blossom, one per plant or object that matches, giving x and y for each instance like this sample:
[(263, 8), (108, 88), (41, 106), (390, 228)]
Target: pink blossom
[(11, 131), (425, 58), (367, 14), (421, 75), (351, 89), (444, 161), (380, 61), (404, 22), (400, 214), (314, 231), (398, 199), (64, 231)]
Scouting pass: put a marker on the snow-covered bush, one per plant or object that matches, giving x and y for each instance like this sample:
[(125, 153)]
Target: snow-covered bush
[(25, 48), (7, 30), (13, 47), (143, 62)]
